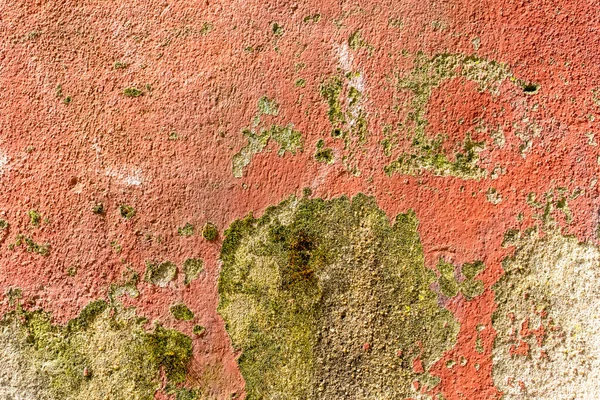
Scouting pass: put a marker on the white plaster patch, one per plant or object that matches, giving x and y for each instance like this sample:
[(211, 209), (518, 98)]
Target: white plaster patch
[(19, 378), (548, 321), (4, 160), (344, 56), (127, 175)]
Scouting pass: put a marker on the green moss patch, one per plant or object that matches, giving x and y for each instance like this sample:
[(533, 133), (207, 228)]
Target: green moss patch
[(132, 92), (184, 393), (34, 217), (451, 283), (198, 330), (323, 154), (103, 353), (210, 232), (126, 211), (181, 312), (356, 41), (31, 246), (322, 296)]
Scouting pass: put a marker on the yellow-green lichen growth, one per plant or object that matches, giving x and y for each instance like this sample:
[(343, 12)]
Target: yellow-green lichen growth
[(276, 29), (13, 294), (120, 65), (207, 28), (344, 97), (192, 267), (267, 106), (183, 393), (314, 18), (323, 154), (356, 41), (427, 151), (98, 209), (306, 286), (331, 90), (451, 283), (132, 92), (181, 312), (210, 232), (259, 134), (198, 330), (186, 230), (34, 217), (103, 353), (431, 157), (127, 286), (126, 211), (31, 246), (160, 273)]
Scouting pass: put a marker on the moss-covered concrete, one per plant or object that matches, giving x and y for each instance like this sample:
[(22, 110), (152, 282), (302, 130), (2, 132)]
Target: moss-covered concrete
[(104, 353), (546, 321), (328, 299)]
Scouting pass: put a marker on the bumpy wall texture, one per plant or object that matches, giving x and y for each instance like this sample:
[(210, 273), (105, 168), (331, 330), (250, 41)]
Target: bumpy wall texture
[(299, 200)]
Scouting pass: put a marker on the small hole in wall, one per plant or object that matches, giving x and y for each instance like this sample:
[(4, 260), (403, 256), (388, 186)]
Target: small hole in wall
[(531, 88)]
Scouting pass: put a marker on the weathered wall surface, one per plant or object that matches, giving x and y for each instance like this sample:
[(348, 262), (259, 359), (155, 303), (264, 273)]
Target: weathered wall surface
[(421, 179)]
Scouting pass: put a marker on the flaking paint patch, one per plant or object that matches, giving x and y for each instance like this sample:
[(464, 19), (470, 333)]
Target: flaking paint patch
[(344, 56), (258, 135), (344, 96)]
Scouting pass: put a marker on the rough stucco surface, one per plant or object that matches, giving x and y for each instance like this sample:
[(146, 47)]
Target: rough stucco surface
[(127, 127)]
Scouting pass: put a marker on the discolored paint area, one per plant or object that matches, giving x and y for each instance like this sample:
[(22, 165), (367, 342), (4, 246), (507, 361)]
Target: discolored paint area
[(328, 299), (133, 134)]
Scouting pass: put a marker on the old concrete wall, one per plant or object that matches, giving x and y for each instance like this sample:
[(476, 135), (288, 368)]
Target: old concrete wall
[(421, 178)]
